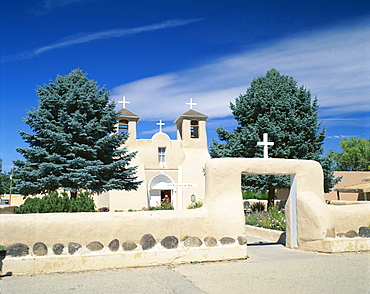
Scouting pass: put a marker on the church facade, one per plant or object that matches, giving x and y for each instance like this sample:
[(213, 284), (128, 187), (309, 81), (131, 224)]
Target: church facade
[(170, 170)]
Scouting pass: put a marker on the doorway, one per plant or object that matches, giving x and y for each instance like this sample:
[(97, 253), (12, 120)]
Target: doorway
[(166, 196), (158, 189)]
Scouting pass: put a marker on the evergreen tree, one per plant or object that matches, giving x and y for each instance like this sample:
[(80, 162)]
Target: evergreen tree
[(74, 144), (3, 179), (274, 104), (6, 183)]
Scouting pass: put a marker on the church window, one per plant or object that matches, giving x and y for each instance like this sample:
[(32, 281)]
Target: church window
[(123, 126), (194, 129), (162, 154)]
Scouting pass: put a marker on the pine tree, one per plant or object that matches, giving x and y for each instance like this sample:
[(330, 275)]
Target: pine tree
[(3, 179), (74, 145), (6, 183), (274, 104)]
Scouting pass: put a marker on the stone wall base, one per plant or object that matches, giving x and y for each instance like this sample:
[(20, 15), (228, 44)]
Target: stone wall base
[(66, 263), (267, 234), (337, 245)]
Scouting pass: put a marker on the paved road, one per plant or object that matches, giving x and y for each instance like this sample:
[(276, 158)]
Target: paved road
[(270, 268)]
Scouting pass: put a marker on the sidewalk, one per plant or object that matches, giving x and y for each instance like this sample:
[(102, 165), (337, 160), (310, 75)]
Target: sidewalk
[(270, 268)]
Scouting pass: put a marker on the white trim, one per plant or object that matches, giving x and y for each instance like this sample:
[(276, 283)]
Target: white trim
[(293, 212), (179, 189)]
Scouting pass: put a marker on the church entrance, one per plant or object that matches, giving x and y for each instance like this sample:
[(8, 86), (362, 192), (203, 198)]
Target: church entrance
[(158, 190)]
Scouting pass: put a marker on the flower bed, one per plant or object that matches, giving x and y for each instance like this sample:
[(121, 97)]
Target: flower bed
[(273, 219)]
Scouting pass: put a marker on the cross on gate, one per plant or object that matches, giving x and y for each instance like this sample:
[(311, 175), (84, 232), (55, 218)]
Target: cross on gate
[(124, 102), (160, 125), (265, 144), (191, 103)]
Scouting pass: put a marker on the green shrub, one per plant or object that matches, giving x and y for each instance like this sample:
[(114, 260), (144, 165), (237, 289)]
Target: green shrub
[(258, 206), (82, 203), (253, 194), (55, 203), (272, 219), (196, 204), (163, 206)]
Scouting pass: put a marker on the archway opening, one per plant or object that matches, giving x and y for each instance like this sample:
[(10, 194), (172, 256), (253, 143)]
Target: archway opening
[(159, 191), (274, 217)]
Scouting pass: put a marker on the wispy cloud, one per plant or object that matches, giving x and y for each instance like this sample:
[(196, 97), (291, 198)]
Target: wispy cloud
[(340, 136), (168, 129), (332, 63), (349, 121), (97, 36), (50, 4), (47, 6)]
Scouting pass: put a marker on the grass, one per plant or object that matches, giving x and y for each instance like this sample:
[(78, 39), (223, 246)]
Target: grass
[(184, 238)]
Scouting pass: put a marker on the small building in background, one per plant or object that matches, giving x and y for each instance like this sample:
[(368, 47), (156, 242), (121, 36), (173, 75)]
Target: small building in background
[(349, 178)]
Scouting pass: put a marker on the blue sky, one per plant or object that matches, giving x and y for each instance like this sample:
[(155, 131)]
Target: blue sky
[(161, 53)]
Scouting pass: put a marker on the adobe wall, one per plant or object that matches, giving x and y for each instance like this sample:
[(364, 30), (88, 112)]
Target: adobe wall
[(350, 216), (83, 228), (349, 178), (223, 182), (221, 216), (15, 199)]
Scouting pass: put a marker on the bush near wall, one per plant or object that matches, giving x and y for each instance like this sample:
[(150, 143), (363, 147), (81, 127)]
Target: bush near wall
[(260, 195), (195, 204), (57, 203), (162, 206)]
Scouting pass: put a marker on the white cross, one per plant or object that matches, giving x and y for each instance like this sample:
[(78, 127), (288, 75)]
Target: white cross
[(124, 102), (191, 103), (265, 143), (160, 125)]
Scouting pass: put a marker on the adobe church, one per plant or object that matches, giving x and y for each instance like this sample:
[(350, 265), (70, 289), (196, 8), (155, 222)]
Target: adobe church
[(171, 169)]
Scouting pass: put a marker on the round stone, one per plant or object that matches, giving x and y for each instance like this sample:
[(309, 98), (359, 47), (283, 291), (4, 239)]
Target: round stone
[(17, 249), (193, 242), (170, 242), (73, 247), (227, 240), (147, 241), (128, 246), (364, 232), (58, 248), (113, 245), (351, 234), (242, 240), (210, 241), (40, 249), (95, 246)]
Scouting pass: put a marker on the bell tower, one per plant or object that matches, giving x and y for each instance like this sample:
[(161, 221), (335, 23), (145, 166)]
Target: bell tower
[(127, 122), (191, 128)]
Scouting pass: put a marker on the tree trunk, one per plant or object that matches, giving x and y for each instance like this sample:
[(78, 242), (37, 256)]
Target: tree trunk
[(270, 198), (73, 195)]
